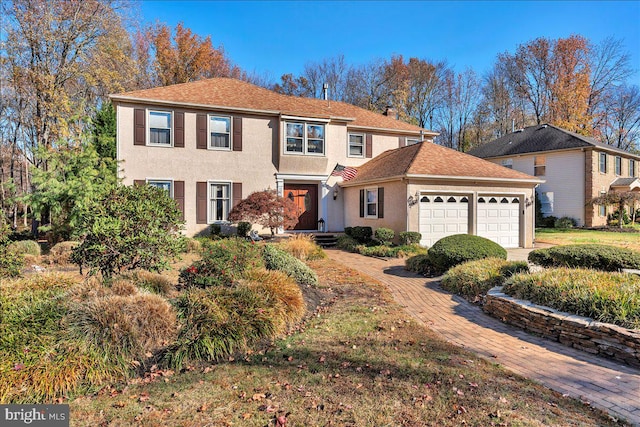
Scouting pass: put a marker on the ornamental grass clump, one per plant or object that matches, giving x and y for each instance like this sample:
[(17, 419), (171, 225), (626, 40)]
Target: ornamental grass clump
[(603, 296), (458, 248), (61, 252), (277, 259), (26, 247), (303, 247), (474, 278), (599, 257)]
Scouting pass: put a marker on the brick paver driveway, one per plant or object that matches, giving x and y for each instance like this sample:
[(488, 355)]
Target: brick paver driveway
[(604, 383)]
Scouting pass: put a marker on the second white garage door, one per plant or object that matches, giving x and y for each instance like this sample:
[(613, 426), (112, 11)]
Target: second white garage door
[(499, 220), (442, 215)]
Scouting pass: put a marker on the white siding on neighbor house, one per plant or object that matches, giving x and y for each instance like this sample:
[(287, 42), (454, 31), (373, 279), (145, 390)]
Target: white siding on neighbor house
[(564, 177)]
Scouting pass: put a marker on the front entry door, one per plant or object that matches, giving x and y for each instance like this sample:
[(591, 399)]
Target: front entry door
[(305, 196)]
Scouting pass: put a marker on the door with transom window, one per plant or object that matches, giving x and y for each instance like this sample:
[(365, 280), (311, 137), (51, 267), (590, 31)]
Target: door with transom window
[(305, 197)]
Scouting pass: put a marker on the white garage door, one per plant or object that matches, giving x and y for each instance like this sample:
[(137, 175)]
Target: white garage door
[(442, 215), (499, 220)]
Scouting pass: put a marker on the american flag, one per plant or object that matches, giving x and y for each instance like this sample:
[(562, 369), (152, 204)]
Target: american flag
[(345, 172)]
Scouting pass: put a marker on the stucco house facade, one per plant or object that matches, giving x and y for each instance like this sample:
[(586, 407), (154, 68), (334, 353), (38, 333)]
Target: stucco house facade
[(575, 168), (212, 142)]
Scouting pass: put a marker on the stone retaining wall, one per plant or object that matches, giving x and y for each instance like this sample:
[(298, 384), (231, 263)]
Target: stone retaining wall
[(579, 332)]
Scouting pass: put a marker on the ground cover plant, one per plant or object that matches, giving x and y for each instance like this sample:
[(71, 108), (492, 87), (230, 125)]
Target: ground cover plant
[(278, 259), (473, 279), (599, 257), (358, 361), (603, 296), (630, 240), (458, 248)]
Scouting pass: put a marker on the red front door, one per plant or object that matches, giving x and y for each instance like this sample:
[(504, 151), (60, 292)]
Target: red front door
[(305, 196)]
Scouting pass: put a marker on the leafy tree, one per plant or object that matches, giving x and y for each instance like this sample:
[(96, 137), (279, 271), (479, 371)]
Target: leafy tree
[(267, 209), (129, 228), (104, 132), (620, 199), (75, 179)]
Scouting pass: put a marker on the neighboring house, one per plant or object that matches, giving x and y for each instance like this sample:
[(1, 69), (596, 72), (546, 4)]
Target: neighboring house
[(212, 142), (438, 192), (576, 169)]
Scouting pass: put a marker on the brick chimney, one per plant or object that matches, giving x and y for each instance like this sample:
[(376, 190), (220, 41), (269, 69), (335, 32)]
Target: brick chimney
[(391, 112)]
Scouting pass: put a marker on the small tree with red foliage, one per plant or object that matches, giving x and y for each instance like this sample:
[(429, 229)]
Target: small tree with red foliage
[(267, 209)]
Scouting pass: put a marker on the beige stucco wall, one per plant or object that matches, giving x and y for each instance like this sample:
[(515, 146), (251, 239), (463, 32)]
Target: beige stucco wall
[(258, 166), (400, 217)]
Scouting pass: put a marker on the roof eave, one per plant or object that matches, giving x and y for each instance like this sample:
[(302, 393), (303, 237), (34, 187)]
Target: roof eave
[(370, 181), (477, 178), (398, 131)]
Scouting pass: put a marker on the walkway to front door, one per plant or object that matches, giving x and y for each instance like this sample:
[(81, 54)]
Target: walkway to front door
[(305, 196), (605, 383)]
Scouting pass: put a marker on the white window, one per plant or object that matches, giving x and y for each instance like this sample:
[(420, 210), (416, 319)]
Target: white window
[(546, 202), (159, 128), (618, 165), (371, 203), (304, 138), (356, 145), (632, 168), (219, 132), (412, 141), (163, 184), (603, 162), (539, 166), (507, 163), (602, 209), (219, 201)]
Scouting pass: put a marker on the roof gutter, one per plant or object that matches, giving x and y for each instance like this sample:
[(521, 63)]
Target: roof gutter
[(476, 178), (369, 181), (399, 131)]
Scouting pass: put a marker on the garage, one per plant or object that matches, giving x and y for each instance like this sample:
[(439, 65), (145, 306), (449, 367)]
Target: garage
[(499, 219), (442, 215)]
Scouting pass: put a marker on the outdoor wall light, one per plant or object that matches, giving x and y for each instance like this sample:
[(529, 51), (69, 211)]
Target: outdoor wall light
[(335, 193)]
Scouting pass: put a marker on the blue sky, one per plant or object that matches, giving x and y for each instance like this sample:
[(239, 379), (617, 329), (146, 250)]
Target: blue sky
[(277, 37)]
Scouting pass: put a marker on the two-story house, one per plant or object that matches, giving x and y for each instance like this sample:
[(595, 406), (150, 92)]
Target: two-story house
[(212, 142), (575, 168)]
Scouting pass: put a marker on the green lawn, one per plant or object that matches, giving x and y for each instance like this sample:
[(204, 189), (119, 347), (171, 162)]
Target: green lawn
[(578, 236)]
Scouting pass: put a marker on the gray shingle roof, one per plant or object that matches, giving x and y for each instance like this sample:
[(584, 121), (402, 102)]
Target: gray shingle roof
[(539, 138)]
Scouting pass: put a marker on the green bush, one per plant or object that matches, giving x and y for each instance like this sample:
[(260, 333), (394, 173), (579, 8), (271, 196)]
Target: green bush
[(361, 234), (277, 259), (603, 296), (347, 243), (61, 252), (385, 251), (348, 231), (453, 250), (244, 228), (216, 230), (420, 264), (410, 237), (11, 262), (223, 263), (565, 223), (25, 247), (474, 278), (132, 227), (385, 235), (599, 257)]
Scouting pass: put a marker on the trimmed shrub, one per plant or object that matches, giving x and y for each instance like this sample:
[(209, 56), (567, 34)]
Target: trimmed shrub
[(474, 278), (598, 257), (362, 234), (565, 223), (223, 262), (218, 322), (277, 259), (410, 237), (347, 243), (243, 228), (420, 264), (389, 251), (453, 250), (603, 296), (303, 247), (26, 247), (125, 326), (348, 231), (61, 252), (385, 235), (216, 230)]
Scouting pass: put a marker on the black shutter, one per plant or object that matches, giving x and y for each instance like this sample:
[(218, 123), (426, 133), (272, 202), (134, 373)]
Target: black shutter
[(178, 132), (237, 194), (380, 202), (237, 134), (139, 182), (139, 128), (178, 195), (201, 131), (361, 203), (369, 146), (201, 202)]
